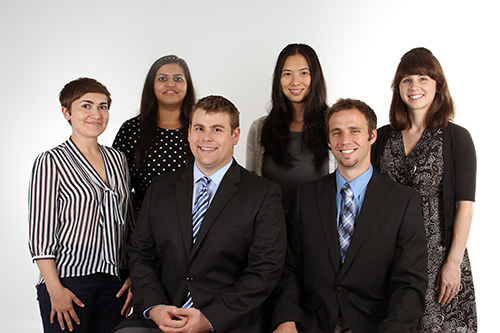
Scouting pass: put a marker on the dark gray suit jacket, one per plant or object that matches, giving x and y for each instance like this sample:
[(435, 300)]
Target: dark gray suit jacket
[(235, 263), (381, 285)]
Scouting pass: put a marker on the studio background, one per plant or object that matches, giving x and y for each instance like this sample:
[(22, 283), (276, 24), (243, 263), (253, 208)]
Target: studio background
[(231, 48)]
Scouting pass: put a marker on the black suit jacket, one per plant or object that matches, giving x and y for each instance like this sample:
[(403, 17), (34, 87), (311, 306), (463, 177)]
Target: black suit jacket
[(381, 285), (235, 263)]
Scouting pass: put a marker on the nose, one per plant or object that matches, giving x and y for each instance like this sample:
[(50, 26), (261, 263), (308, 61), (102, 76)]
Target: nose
[(207, 136), (169, 82), (94, 112), (414, 84), (345, 137)]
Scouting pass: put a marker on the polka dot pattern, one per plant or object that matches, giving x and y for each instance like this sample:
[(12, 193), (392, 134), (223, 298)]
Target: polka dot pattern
[(167, 153)]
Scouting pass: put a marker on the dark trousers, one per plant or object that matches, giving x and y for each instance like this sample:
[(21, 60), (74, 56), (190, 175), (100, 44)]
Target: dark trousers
[(102, 309)]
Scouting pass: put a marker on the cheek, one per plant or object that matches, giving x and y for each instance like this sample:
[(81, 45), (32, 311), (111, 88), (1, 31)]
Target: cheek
[(284, 83)]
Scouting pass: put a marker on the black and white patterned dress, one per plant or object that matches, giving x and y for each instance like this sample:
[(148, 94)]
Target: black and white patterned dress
[(168, 152), (422, 170)]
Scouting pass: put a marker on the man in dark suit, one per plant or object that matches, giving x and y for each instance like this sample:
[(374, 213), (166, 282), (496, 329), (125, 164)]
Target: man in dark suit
[(356, 259), (215, 274)]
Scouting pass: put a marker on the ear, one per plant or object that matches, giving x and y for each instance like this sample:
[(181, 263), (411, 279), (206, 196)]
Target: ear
[(66, 113), (373, 137), (189, 133), (236, 135)]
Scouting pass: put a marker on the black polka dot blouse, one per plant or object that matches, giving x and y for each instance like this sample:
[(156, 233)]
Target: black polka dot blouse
[(168, 152)]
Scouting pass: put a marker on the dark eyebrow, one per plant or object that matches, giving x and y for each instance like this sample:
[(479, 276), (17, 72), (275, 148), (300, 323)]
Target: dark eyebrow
[(162, 74), (300, 70)]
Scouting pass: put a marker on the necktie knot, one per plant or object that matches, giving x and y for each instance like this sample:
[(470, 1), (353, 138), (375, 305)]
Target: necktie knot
[(346, 191), (204, 181)]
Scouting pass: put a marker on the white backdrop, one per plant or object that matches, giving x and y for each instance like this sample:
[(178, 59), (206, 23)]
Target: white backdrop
[(231, 48)]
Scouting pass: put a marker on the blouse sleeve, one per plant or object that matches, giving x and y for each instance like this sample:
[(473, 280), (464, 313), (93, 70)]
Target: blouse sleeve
[(465, 165), (251, 153), (42, 205), (124, 141)]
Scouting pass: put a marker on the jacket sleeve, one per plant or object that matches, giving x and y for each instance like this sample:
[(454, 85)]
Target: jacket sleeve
[(409, 272)]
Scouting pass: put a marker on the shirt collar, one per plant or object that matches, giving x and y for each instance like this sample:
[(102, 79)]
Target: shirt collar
[(358, 185), (216, 177)]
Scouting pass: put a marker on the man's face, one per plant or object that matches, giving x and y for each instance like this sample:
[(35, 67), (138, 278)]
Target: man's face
[(350, 142), (212, 140)]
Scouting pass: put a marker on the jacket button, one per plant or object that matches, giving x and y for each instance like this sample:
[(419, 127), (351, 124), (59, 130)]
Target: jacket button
[(340, 290), (189, 278)]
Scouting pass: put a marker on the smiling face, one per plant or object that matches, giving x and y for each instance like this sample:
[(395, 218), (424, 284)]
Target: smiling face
[(170, 85), (295, 78), (88, 115), (350, 142), (211, 140), (417, 92)]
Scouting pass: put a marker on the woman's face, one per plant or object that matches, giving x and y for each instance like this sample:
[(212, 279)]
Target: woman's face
[(170, 85), (417, 92), (295, 78), (89, 115)]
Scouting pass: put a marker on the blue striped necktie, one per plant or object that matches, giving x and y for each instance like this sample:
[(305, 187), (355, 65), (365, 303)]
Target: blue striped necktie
[(199, 210), (347, 219)]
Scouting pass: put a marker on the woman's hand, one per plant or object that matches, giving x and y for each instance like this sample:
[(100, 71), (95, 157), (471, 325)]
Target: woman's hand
[(61, 300), (448, 282), (127, 307)]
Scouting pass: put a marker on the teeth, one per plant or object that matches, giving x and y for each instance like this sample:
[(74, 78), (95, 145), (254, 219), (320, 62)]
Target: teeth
[(207, 148), (347, 151), (416, 96)]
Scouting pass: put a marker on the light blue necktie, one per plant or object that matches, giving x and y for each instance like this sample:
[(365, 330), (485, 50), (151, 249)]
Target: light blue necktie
[(347, 219), (199, 210)]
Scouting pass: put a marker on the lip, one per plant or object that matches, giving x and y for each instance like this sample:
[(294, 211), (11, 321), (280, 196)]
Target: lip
[(348, 152), (207, 149), (170, 92), (94, 123), (416, 97), (296, 92)]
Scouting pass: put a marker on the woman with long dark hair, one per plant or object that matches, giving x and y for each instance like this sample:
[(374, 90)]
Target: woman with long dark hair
[(155, 141), (423, 149), (289, 146)]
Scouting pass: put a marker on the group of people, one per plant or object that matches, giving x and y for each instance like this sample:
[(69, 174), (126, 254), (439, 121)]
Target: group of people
[(333, 226)]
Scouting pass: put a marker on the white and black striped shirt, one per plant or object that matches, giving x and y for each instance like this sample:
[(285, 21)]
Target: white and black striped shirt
[(74, 217)]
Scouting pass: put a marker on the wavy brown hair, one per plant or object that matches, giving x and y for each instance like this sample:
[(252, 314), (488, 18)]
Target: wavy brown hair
[(421, 61)]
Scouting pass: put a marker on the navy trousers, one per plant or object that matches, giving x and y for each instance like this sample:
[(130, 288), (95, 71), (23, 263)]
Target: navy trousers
[(102, 309)]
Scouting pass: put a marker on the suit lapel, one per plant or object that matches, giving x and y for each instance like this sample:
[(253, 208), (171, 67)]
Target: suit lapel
[(184, 195), (226, 190), (328, 214), (376, 192)]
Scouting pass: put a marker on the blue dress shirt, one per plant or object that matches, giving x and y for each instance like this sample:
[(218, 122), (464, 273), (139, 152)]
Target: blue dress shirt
[(358, 186)]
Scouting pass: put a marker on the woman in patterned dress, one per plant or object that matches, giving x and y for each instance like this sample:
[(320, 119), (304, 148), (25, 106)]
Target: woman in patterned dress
[(155, 141), (423, 149)]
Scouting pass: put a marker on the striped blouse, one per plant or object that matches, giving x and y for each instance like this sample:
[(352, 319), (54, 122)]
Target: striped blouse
[(74, 217)]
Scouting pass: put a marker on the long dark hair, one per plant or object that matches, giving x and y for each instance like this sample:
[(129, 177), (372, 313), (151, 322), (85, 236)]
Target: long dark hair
[(149, 107), (421, 61), (276, 130)]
